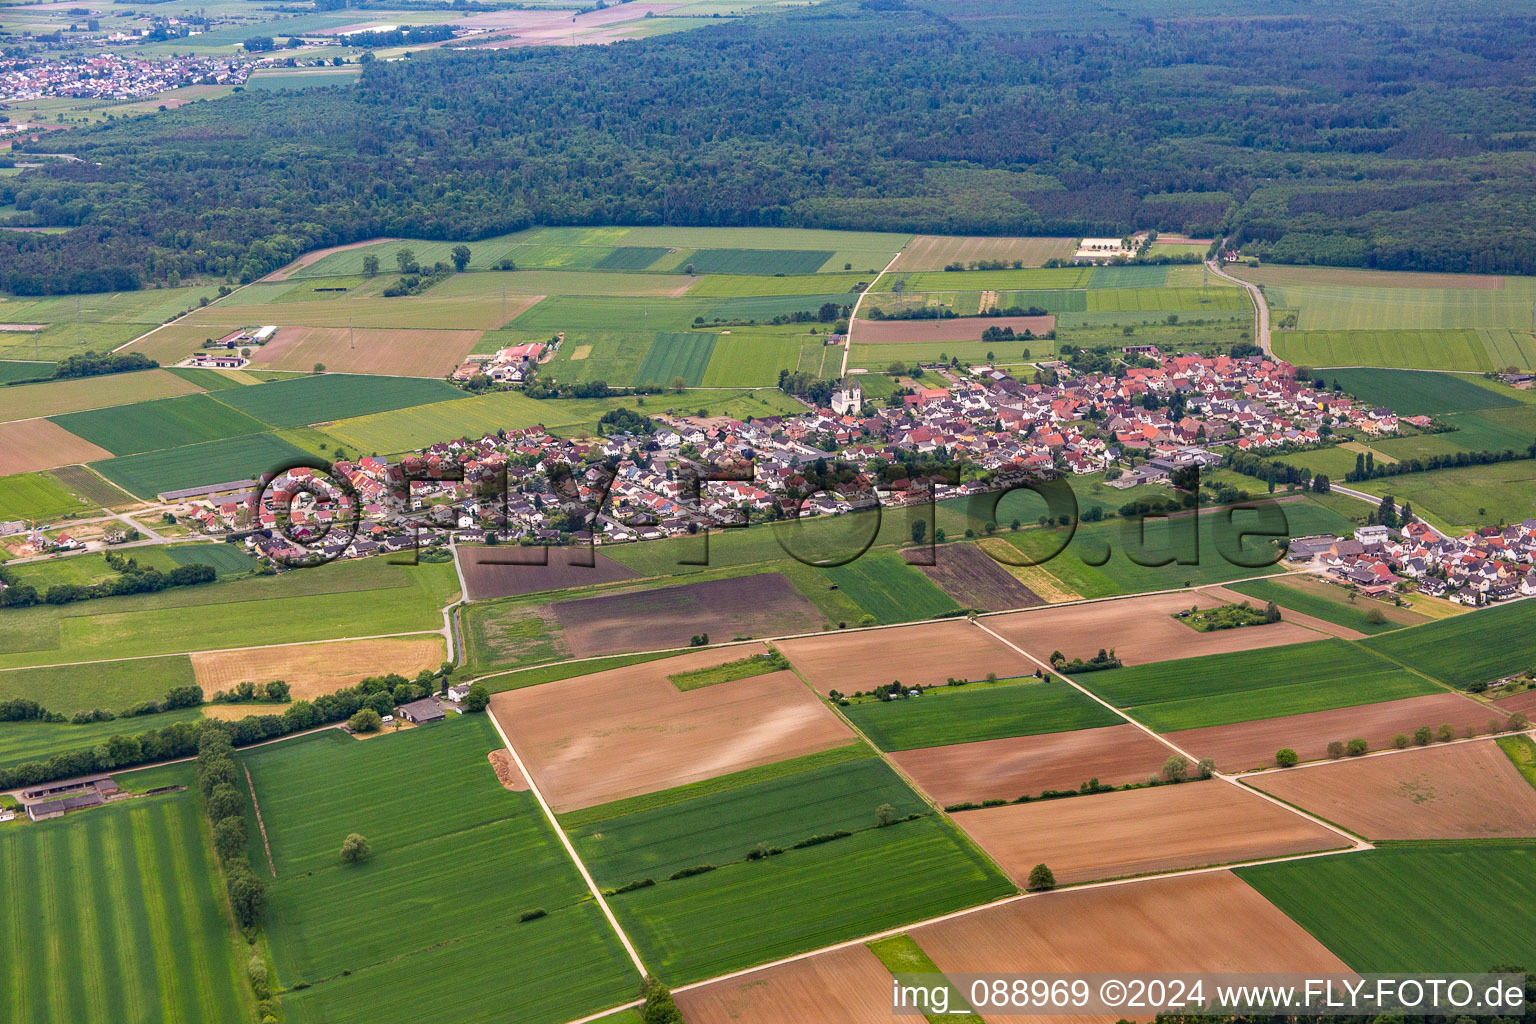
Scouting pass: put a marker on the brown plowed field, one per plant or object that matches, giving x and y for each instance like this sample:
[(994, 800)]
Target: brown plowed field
[(935, 252), (394, 352), (1141, 831), (845, 986), (29, 445), (563, 569), (964, 328), (313, 669), (974, 579), (927, 653), (1519, 702), (628, 731), (1010, 768), (1210, 922), (1249, 745), (1140, 629), (766, 604), (1461, 791)]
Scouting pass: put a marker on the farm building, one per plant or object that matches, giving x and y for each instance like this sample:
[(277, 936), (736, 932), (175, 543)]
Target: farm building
[(421, 712)]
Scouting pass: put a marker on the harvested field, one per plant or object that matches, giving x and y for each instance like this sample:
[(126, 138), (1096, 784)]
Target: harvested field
[(1206, 922), (507, 771), (974, 579), (1140, 629), (967, 328), (310, 258), (405, 353), (313, 669), (29, 445), (1107, 835), (935, 252), (1007, 769), (1249, 745), (1462, 791), (564, 567), (928, 653), (60, 396), (766, 604), (845, 986), (1040, 583), (597, 738)]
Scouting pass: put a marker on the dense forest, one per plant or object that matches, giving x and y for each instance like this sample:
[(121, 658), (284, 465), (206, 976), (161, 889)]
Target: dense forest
[(1396, 135)]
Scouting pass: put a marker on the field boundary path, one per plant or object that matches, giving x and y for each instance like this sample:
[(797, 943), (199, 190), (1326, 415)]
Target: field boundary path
[(250, 784), (565, 841), (853, 315), (1256, 296), (1376, 500)]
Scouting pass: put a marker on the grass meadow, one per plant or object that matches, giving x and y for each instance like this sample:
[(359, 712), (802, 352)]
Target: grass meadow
[(1243, 686), (978, 711), (37, 496), (1480, 646), (118, 913), (1422, 906), (111, 685), (38, 741), (346, 929), (1327, 602), (1464, 497)]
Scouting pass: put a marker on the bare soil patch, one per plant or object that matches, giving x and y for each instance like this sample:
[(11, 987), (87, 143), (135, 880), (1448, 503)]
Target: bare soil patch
[(965, 328), (1010, 768), (564, 568), (845, 986), (313, 669), (23, 327), (405, 353), (766, 604), (1249, 745), (1461, 791), (507, 772), (935, 252), (628, 731), (311, 258), (1142, 831), (29, 445), (1140, 629), (1210, 922), (974, 579), (926, 653), (1519, 702)]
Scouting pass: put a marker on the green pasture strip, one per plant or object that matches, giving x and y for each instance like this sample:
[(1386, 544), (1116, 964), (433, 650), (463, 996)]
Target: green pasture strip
[(109, 685), (90, 486), (886, 586), (1243, 686), (211, 462), (1315, 601), (1480, 646), (902, 955), (1371, 908), (579, 820), (1464, 497), (334, 396), (691, 929), (226, 559), (977, 711), (1522, 751), (38, 741), (745, 668), (724, 827), (567, 670), (1440, 349)]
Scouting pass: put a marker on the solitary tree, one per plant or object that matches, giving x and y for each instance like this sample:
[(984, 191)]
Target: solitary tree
[(1271, 612), (478, 698), (460, 257), (1285, 757), (355, 849), (1519, 722), (366, 720), (1175, 768), (884, 815), (319, 368), (919, 531), (370, 265), (407, 260), (679, 384), (1041, 879)]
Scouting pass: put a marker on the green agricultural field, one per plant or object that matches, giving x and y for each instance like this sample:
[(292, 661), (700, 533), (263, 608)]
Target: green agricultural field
[(226, 559), (24, 370), (1113, 542), (609, 356), (1497, 429), (1243, 686), (723, 828), (1464, 497), (692, 928), (153, 426), (624, 257), (212, 380), (337, 927), (1134, 277), (1121, 300), (1417, 393), (676, 355), (1402, 348), (886, 586), (750, 361), (978, 711), (91, 487), (1327, 602), (27, 401), (1052, 300), (1410, 906), (1349, 307), (38, 741), (1478, 647), (109, 685), (74, 940), (86, 568), (577, 313), (34, 496), (993, 280), (367, 597), (212, 462), (879, 356), (333, 396), (763, 308), (306, 79), (740, 286)]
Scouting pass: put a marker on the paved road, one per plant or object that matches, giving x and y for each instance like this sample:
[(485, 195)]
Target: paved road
[(1258, 301)]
